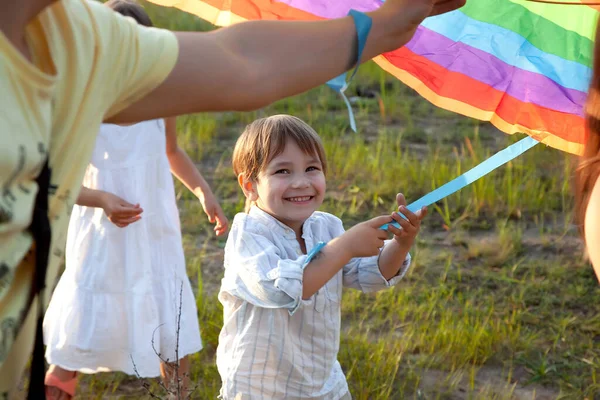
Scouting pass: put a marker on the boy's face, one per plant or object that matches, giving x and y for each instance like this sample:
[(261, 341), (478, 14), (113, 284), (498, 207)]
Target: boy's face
[(291, 187)]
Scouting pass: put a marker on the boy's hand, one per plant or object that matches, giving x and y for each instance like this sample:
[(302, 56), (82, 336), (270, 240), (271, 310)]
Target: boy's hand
[(118, 211), (365, 239), (410, 226), (215, 213)]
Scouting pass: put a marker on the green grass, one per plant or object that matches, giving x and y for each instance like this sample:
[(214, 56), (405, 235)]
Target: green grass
[(499, 304)]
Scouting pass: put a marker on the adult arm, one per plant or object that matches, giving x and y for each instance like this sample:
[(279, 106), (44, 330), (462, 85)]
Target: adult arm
[(251, 64)]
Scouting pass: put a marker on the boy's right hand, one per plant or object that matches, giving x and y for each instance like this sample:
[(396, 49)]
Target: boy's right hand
[(120, 212), (367, 238)]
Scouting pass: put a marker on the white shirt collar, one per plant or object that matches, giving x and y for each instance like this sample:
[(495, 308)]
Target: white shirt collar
[(278, 226)]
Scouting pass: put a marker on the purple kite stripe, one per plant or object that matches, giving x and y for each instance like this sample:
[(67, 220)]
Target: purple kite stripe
[(333, 9), (523, 85)]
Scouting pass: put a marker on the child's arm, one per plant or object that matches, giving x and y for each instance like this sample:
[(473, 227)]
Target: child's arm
[(185, 170), (395, 251), (370, 274), (251, 64), (265, 278), (90, 198), (362, 240), (119, 212)]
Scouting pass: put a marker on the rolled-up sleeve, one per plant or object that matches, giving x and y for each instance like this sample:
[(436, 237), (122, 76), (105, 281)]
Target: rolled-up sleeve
[(364, 274), (257, 273)]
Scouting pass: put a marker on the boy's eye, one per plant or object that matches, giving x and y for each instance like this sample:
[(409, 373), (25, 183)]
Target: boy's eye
[(282, 171), (312, 168)]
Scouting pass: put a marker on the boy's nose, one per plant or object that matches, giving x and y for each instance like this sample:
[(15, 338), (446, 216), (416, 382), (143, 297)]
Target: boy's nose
[(301, 182)]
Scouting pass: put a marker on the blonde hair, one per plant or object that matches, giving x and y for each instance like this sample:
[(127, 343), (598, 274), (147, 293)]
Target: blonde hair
[(265, 138)]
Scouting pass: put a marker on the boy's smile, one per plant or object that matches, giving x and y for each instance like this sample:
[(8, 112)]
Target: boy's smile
[(291, 187)]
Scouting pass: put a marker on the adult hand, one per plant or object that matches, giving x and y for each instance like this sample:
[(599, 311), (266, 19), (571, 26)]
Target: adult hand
[(400, 18)]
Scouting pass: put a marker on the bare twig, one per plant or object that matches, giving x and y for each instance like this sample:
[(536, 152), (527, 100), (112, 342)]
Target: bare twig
[(175, 365), (145, 384), (172, 366), (177, 342), (154, 348)]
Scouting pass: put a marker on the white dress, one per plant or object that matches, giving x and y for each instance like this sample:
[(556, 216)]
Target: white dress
[(121, 288)]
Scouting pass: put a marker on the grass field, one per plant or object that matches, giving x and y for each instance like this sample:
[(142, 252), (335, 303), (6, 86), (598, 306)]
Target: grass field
[(499, 304)]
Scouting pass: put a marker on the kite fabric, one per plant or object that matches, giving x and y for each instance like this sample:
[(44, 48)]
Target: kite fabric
[(523, 66)]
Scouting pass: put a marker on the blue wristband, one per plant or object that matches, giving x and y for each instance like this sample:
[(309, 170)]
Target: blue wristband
[(363, 24)]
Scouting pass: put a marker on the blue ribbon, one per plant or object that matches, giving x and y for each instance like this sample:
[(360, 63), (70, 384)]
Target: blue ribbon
[(363, 24), (315, 250), (484, 168), (480, 170)]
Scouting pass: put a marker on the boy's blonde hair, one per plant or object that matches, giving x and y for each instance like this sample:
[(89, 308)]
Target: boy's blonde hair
[(266, 138)]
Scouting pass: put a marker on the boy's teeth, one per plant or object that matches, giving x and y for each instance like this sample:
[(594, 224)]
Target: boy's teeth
[(306, 198)]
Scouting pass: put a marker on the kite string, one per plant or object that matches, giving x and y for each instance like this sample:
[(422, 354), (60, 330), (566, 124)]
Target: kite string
[(363, 24)]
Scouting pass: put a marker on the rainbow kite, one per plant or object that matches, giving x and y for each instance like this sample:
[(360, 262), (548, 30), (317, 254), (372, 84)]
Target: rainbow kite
[(524, 66)]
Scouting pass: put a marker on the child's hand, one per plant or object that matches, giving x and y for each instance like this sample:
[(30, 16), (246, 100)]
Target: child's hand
[(410, 226), (213, 210), (118, 211), (365, 239)]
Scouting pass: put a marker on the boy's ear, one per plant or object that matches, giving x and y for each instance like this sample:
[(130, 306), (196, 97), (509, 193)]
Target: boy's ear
[(248, 187)]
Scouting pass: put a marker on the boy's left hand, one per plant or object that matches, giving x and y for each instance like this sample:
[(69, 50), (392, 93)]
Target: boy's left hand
[(410, 226)]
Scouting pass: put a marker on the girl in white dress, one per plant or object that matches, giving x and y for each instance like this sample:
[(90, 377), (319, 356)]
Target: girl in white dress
[(119, 298), (121, 288)]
